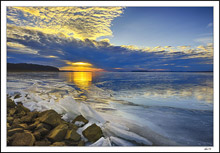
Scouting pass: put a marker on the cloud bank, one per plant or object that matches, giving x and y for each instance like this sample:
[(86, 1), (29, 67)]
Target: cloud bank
[(58, 36)]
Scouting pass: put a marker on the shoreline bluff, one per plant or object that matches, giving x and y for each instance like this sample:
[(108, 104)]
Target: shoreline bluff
[(32, 128)]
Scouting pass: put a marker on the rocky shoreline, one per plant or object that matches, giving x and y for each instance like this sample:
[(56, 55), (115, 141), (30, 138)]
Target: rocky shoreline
[(26, 128)]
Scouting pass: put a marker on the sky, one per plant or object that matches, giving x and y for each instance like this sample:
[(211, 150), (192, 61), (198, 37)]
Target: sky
[(112, 38)]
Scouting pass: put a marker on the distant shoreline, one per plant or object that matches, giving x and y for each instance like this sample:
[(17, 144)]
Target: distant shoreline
[(24, 67)]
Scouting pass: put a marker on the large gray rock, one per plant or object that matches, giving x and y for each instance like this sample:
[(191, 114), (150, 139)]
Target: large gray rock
[(23, 139), (72, 135), (93, 133), (58, 133), (50, 117)]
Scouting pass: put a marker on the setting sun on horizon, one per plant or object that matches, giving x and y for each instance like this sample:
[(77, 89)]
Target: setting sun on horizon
[(80, 67)]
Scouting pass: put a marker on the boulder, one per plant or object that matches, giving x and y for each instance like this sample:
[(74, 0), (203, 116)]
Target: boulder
[(72, 126), (80, 121), (43, 125), (37, 135), (72, 135), (8, 126), (12, 111), (43, 131), (43, 142), (21, 108), (10, 103), (17, 96), (20, 114), (93, 133), (71, 143), (23, 139), (22, 125), (50, 117), (29, 117), (34, 125), (16, 121), (10, 120), (58, 144), (15, 130), (81, 143), (58, 133)]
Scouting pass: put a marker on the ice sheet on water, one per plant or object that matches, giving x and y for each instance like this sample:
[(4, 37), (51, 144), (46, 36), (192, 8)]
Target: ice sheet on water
[(90, 113), (79, 123), (128, 135), (102, 142), (120, 142)]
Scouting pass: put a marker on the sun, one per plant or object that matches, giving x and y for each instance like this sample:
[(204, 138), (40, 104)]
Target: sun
[(82, 64), (80, 67)]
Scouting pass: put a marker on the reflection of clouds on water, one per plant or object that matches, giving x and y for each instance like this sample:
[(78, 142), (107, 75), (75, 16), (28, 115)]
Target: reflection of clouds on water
[(201, 93)]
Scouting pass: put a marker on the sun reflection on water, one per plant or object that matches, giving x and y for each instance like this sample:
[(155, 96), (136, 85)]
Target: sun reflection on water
[(82, 79)]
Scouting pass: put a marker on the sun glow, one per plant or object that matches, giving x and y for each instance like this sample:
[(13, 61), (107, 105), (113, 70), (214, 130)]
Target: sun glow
[(81, 64), (79, 67)]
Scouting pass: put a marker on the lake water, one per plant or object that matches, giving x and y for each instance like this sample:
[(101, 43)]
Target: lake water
[(166, 108)]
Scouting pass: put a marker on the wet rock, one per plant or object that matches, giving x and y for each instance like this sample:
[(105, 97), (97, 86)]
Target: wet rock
[(42, 131), (10, 120), (72, 126), (58, 133), (20, 114), (16, 121), (34, 125), (71, 143), (12, 111), (58, 144), (29, 117), (22, 125), (50, 117), (72, 135), (37, 135), (80, 121), (10, 103), (93, 133), (23, 139), (43, 125), (81, 143), (15, 130), (17, 96), (21, 108), (8, 126), (9, 140), (44, 142)]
